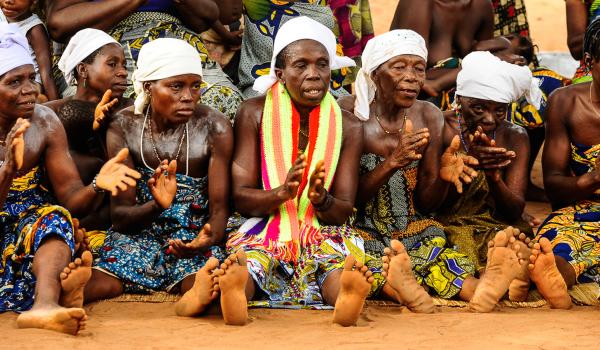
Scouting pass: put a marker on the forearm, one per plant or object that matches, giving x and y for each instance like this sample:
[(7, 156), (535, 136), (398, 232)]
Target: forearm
[(6, 178), (337, 214), (198, 15), (508, 204), (49, 86), (83, 201), (370, 182), (257, 203), (445, 78), (65, 22), (135, 217), (218, 224), (563, 190), (431, 194)]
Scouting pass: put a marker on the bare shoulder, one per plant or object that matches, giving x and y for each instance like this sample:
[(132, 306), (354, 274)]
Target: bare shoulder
[(347, 103), (515, 132), (56, 105), (216, 121), (352, 126), (250, 111), (429, 112), (45, 118), (125, 119)]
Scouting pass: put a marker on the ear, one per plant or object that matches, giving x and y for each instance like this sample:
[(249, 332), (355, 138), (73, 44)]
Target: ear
[(148, 86), (279, 74), (587, 58), (82, 71)]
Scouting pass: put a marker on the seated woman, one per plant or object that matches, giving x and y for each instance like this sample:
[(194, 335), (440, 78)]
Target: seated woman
[(496, 198), (263, 20), (36, 229), (94, 62), (295, 172), (570, 237), (165, 235), (403, 172), (135, 23)]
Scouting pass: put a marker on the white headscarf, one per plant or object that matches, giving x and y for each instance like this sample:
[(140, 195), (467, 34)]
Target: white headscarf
[(81, 45), (299, 28), (379, 50), (486, 77), (160, 59), (14, 48)]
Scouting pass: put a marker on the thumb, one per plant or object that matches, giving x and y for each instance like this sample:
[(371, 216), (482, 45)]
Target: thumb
[(105, 97), (121, 156), (408, 128), (172, 169), (454, 145)]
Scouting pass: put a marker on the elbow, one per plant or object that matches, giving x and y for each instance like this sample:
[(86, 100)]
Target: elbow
[(56, 30), (575, 47)]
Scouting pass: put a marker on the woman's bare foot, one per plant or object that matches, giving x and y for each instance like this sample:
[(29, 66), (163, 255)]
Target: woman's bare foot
[(398, 271), (546, 276), (355, 284), (232, 278), (60, 319), (519, 287), (73, 280), (503, 265), (202, 293)]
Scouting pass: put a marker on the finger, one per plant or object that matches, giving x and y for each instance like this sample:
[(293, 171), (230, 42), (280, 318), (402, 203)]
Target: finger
[(458, 185), (122, 186), (129, 181), (488, 149), (469, 160), (121, 156), (111, 104), (132, 173), (408, 128), (172, 169), (106, 97), (465, 178), (496, 166), (454, 145), (470, 171)]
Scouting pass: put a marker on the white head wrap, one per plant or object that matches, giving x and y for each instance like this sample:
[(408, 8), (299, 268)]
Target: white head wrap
[(81, 45), (14, 48), (163, 58), (299, 28), (486, 77), (379, 50)]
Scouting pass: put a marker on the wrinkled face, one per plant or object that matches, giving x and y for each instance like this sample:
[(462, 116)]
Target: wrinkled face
[(175, 98), (107, 71), (487, 114), (306, 72), (400, 79), (18, 92), (15, 9)]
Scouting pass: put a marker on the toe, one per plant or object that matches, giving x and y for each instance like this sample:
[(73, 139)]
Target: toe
[(397, 246), (349, 263)]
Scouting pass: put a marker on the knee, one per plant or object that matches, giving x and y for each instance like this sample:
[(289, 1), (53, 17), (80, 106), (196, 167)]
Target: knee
[(103, 286)]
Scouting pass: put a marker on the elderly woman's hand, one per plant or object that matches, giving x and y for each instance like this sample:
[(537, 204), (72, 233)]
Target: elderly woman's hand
[(457, 168), (409, 146), (15, 145)]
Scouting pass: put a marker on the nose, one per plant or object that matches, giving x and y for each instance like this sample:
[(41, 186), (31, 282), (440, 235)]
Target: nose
[(312, 72), (29, 88), (122, 73), (186, 95)]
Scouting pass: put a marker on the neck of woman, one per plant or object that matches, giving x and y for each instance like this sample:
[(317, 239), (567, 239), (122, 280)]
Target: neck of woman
[(83, 94), (387, 110)]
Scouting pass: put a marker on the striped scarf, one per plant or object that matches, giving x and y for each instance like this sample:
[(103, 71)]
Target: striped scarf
[(295, 223)]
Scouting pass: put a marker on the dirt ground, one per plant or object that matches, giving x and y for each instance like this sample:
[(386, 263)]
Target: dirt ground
[(155, 326)]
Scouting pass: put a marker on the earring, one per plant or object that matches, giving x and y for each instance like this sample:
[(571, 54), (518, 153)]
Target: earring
[(84, 83)]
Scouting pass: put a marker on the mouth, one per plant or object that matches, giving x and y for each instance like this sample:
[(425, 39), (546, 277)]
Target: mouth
[(412, 93), (313, 93), (9, 13), (188, 112), (27, 105)]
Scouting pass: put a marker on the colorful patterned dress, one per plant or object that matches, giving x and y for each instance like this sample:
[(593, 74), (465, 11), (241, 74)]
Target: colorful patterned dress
[(391, 214), (27, 218), (471, 222), (262, 20), (139, 259), (510, 17), (574, 231), (289, 253)]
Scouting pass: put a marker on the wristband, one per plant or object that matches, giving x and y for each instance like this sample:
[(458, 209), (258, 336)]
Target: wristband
[(95, 187), (327, 203)]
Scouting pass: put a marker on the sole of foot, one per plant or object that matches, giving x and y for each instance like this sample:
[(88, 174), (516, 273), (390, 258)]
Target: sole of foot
[(503, 265), (59, 319), (231, 280), (202, 293), (397, 268), (73, 279), (355, 284), (547, 277), (519, 287)]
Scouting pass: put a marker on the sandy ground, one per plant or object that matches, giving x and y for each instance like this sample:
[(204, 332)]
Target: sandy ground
[(154, 326)]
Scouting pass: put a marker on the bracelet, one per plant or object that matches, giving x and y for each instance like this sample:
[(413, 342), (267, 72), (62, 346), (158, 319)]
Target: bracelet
[(327, 203), (95, 187)]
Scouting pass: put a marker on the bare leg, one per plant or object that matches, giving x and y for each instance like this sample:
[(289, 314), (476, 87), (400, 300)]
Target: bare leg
[(232, 279), (547, 277), (195, 299), (102, 286), (468, 289), (50, 258), (352, 286), (502, 267), (398, 270)]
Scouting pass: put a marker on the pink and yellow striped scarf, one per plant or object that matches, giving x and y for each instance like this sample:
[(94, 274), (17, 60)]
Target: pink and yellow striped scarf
[(295, 223)]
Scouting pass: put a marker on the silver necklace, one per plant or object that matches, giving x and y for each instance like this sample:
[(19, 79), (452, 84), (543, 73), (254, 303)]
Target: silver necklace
[(185, 135)]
